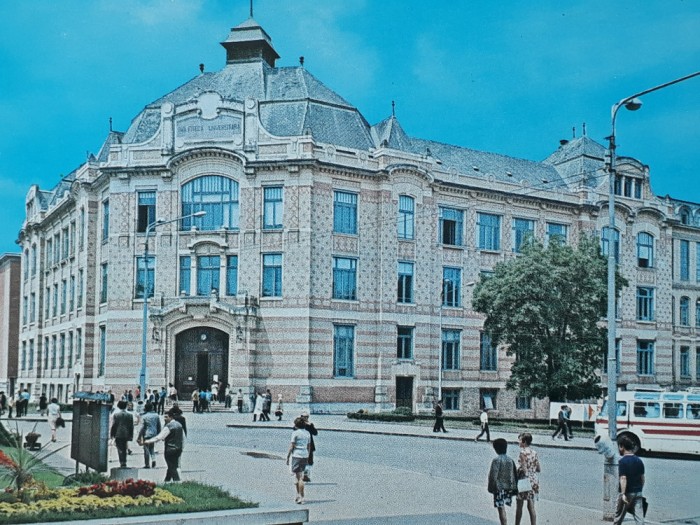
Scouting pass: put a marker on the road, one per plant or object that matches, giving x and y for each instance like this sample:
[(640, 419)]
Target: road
[(368, 478)]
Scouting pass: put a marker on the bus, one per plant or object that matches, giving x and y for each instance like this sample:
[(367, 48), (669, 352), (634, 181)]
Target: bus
[(656, 421)]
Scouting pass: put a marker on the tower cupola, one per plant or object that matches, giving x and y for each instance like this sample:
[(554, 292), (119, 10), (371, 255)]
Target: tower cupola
[(248, 42)]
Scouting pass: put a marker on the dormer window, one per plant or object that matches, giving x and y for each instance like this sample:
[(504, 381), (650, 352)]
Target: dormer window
[(685, 216), (628, 186)]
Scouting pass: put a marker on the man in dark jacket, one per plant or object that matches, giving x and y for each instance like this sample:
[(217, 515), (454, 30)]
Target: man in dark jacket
[(311, 429), (122, 430), (562, 428), (174, 437)]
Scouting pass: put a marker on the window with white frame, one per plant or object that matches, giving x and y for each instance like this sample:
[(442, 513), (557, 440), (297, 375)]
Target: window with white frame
[(23, 357), (64, 296), (343, 350), (645, 358), (272, 275), (208, 274), (185, 274), (345, 212), (451, 226), (31, 354), (215, 195), (33, 260), (523, 402), (103, 290), (685, 260), (450, 349), (71, 296), (645, 250), (80, 288), (62, 352), (146, 210), (145, 276), (78, 343), (645, 303), (272, 208), (450, 398), (405, 282), (105, 220), (556, 233), (605, 243), (70, 349), (46, 353), (451, 287), (487, 398), (684, 311), (685, 361), (523, 231), (47, 302), (54, 312), (232, 275), (102, 357), (32, 307), (404, 342), (344, 278), (406, 217), (488, 231), (488, 353), (54, 349)]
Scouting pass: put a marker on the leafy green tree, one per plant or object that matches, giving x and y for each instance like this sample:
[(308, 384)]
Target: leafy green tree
[(546, 307)]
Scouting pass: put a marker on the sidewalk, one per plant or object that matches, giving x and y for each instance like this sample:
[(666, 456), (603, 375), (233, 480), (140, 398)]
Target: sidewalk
[(345, 491)]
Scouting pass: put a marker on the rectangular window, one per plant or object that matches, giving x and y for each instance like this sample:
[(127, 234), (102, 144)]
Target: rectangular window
[(523, 403), (57, 248), (645, 250), (232, 275), (49, 253), (208, 272), (697, 363), (25, 309), (684, 307), (81, 236), (146, 212), (673, 410), (78, 343), (451, 286), (55, 300), (32, 307), (451, 226), (105, 220), (64, 296), (645, 303), (47, 303), (345, 212), (646, 409), (344, 278), (489, 231), (272, 275), (406, 217), (33, 261), (487, 398), (71, 243), (23, 358), (450, 398), (31, 354), (685, 361), (62, 354), (145, 276), (685, 260), (46, 353), (70, 349), (71, 296), (523, 230), (80, 289), (54, 349), (272, 208), (343, 350), (66, 244), (489, 354), (404, 342), (645, 358), (103, 351), (405, 283), (556, 233), (185, 272), (103, 290), (450, 349)]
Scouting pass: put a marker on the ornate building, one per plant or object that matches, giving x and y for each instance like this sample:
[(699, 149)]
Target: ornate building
[(336, 259)]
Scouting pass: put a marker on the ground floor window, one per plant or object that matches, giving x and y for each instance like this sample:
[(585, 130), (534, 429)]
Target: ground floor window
[(343, 349), (488, 398), (645, 358), (523, 403), (450, 398)]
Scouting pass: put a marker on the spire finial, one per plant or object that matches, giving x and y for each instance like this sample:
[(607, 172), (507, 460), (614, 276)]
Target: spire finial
[(573, 130), (110, 124), (393, 109), (584, 129), (251, 8)]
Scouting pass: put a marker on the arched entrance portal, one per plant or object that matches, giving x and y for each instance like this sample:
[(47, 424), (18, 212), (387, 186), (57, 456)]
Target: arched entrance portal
[(201, 355)]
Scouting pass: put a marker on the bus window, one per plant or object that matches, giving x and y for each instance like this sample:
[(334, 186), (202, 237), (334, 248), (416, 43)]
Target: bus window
[(673, 410), (646, 409), (693, 411), (621, 409)]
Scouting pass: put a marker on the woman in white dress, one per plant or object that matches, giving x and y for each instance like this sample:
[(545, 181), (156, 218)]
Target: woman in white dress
[(54, 412)]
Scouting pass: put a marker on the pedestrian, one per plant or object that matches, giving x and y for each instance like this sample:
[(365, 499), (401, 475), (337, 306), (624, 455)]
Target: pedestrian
[(25, 396), (10, 405), (176, 414), (258, 410), (43, 404), (562, 429), (267, 404), (311, 429), (3, 402), (223, 388), (299, 451), (137, 394), (214, 392), (172, 393), (54, 413), (631, 472), (439, 418), (528, 468), (568, 422), (502, 479), (150, 427), (228, 399), (239, 400), (161, 400), (122, 431), (279, 410), (484, 422), (173, 436), (195, 400), (18, 404)]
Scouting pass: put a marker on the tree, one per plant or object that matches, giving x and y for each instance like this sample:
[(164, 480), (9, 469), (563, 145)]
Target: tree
[(546, 307)]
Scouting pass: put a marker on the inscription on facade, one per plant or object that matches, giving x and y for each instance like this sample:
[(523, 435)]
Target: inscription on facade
[(196, 128)]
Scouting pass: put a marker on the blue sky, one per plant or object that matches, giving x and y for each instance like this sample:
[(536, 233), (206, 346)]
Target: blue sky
[(508, 77)]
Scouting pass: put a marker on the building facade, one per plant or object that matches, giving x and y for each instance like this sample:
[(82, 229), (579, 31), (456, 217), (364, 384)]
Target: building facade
[(336, 259), (10, 267)]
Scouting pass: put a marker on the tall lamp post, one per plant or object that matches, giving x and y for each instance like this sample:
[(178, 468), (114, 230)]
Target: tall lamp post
[(631, 103), (146, 292)]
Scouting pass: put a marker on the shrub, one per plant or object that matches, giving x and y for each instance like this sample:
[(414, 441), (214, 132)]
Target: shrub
[(403, 411), (109, 489), (84, 478), (389, 417)]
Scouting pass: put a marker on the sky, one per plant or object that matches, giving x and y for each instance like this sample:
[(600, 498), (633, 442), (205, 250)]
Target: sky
[(509, 77)]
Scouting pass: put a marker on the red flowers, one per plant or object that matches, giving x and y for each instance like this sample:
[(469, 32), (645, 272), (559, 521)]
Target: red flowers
[(7, 461), (130, 487)]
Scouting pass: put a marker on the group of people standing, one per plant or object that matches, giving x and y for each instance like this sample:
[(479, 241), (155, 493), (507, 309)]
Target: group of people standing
[(15, 402), (263, 406)]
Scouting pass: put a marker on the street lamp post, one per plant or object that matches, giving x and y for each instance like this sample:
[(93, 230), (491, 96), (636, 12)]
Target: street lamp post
[(631, 103), (146, 289)]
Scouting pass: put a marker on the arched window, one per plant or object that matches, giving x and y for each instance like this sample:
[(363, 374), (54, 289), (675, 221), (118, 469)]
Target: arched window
[(645, 250), (616, 243), (685, 311), (216, 195), (685, 216)]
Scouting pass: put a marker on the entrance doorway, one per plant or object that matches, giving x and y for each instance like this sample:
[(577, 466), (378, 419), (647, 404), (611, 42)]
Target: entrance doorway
[(404, 392), (201, 357)]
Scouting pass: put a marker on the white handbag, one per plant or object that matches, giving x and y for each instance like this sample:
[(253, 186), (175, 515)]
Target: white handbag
[(524, 485)]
